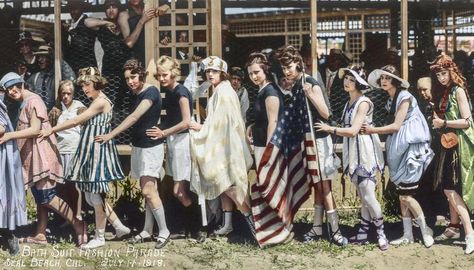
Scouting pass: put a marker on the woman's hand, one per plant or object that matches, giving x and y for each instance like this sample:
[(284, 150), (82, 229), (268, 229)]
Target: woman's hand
[(366, 129), (195, 126), (248, 134), (45, 133), (105, 138), (161, 10), (155, 133), (5, 138), (147, 15), (323, 127), (437, 122)]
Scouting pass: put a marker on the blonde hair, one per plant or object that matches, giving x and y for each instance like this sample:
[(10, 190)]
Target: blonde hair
[(167, 63), (91, 74), (63, 84)]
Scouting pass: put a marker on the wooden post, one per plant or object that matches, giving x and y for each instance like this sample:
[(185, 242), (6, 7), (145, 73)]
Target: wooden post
[(314, 37), (404, 41), (216, 27), (57, 46), (150, 39), (453, 27)]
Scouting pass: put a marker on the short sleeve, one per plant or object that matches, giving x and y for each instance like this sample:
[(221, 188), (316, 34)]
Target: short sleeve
[(36, 104), (405, 95)]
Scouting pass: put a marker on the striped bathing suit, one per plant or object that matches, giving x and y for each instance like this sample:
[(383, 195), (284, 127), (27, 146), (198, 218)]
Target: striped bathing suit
[(94, 164)]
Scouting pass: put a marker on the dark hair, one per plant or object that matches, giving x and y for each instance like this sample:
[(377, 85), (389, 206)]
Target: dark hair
[(261, 60), (135, 67), (115, 3), (363, 74), (393, 70), (237, 71), (289, 54)]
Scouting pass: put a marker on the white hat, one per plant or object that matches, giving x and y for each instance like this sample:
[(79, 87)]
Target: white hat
[(215, 63), (10, 79), (357, 76), (388, 70)]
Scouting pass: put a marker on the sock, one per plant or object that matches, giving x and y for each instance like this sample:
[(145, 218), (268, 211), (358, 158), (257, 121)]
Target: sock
[(119, 227), (333, 220), (318, 219), (227, 222), (407, 227), (159, 214), (149, 222), (100, 234)]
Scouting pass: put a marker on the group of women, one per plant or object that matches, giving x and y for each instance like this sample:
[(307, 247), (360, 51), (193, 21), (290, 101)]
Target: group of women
[(212, 159)]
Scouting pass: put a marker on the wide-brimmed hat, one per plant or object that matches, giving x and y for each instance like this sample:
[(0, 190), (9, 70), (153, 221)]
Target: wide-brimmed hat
[(359, 75), (10, 79), (44, 50), (215, 63), (388, 70), (90, 74)]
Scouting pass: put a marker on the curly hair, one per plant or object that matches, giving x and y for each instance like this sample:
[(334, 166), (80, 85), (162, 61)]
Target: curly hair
[(135, 67), (289, 54), (170, 64), (91, 74), (446, 63)]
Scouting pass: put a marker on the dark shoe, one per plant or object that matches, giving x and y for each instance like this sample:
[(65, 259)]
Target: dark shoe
[(251, 225), (312, 235), (361, 236), (13, 246), (200, 236), (161, 242)]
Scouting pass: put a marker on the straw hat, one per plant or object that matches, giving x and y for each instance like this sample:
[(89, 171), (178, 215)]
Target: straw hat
[(44, 50), (424, 82), (388, 70)]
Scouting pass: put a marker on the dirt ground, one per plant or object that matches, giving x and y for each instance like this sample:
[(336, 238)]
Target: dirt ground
[(239, 252)]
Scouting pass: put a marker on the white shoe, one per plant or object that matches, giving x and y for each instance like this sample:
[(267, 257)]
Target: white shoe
[(223, 231), (404, 240), (427, 234), (94, 243), (469, 243), (122, 232)]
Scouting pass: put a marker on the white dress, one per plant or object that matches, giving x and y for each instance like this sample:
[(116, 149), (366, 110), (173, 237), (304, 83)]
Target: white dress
[(362, 154)]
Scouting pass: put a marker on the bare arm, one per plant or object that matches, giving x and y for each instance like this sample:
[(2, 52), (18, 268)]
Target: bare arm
[(349, 131), (466, 115), (272, 104), (95, 23), (32, 131), (2, 130), (315, 96), (156, 133), (122, 22), (128, 122), (132, 38), (95, 108), (400, 116)]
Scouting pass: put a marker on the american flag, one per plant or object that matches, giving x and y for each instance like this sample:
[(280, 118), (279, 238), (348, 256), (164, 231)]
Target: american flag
[(287, 168)]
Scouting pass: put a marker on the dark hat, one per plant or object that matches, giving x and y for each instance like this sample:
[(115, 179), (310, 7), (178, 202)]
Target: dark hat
[(72, 4), (24, 36), (237, 71), (334, 52)]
